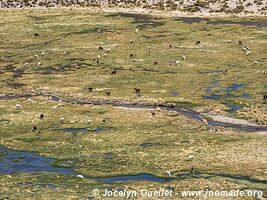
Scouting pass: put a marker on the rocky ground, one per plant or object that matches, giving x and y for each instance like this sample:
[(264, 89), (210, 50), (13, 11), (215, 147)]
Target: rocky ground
[(191, 6)]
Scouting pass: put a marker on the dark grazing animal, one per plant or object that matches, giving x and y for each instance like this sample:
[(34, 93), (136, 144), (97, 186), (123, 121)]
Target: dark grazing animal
[(113, 72), (100, 48), (153, 113), (264, 97), (137, 90), (90, 89), (155, 63), (36, 35), (42, 116), (240, 43), (171, 45), (192, 170), (131, 55), (107, 93), (34, 128), (197, 42)]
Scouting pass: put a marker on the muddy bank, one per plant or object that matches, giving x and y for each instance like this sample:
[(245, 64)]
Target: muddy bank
[(190, 113)]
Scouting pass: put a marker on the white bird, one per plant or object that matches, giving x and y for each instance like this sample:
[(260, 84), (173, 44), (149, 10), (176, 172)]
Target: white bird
[(26, 64), (168, 173), (62, 119), (183, 57), (264, 72), (105, 54), (131, 40), (18, 106), (80, 176), (36, 56), (39, 63), (98, 57), (43, 53), (256, 62), (136, 31), (191, 157)]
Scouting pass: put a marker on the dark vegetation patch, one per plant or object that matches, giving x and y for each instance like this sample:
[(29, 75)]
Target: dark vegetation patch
[(62, 68), (142, 21), (63, 163), (147, 145), (191, 20)]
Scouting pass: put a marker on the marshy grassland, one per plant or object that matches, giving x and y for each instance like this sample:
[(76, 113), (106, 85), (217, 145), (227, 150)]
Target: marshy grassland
[(56, 51)]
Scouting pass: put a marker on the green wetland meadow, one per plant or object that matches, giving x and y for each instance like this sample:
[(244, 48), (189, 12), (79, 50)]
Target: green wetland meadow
[(109, 100)]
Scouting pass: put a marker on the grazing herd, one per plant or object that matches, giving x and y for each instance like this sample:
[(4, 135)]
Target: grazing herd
[(136, 90), (171, 45)]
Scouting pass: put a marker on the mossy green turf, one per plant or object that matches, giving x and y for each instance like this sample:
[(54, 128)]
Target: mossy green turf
[(176, 137)]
